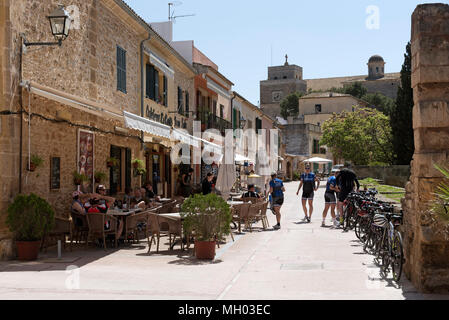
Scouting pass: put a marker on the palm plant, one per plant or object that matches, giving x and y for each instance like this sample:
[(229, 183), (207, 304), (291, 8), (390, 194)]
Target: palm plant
[(440, 206)]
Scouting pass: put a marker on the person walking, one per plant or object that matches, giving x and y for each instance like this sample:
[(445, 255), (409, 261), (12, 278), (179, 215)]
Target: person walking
[(346, 181), (330, 199), (311, 183), (277, 190)]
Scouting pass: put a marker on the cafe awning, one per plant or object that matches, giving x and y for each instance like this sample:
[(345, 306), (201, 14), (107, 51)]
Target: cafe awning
[(186, 138), (152, 127), (215, 148), (240, 158)]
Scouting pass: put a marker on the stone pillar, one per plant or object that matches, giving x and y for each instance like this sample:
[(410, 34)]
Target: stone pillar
[(426, 246)]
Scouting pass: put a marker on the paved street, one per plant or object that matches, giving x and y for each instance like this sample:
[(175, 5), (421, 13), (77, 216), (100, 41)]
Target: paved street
[(301, 261)]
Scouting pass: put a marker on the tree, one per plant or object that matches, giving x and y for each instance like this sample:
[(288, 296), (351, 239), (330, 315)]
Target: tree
[(290, 105), (362, 137), (381, 102), (355, 89), (402, 115)]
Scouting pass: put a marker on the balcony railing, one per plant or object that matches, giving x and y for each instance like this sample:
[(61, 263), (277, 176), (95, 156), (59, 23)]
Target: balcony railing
[(210, 121)]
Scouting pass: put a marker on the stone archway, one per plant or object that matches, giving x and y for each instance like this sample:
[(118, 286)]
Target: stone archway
[(425, 246)]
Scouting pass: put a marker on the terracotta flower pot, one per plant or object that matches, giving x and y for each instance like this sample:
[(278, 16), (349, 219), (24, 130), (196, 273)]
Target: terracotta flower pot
[(27, 250), (205, 250)]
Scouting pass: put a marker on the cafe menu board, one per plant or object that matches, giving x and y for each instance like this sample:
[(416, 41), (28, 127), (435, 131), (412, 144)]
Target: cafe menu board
[(86, 156), (55, 173)]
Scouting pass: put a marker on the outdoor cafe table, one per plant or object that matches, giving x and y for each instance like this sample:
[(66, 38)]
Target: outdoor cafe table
[(234, 203), (119, 213)]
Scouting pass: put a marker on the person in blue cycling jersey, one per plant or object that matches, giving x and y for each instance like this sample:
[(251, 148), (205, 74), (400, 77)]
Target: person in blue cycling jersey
[(330, 198), (277, 190), (311, 184)]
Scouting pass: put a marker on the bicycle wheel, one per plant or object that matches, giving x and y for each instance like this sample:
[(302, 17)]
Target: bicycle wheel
[(397, 256), (358, 227)]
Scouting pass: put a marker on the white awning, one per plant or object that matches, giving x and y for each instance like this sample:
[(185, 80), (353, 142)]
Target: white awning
[(318, 160), (160, 64), (152, 127), (215, 148), (240, 158), (186, 138), (217, 88)]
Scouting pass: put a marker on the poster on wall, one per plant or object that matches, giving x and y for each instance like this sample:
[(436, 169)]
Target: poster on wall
[(86, 158)]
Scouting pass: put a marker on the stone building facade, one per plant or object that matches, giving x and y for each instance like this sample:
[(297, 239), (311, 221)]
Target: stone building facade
[(72, 89), (282, 81), (377, 80), (426, 243)]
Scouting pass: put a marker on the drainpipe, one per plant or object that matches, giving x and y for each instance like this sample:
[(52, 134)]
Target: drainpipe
[(142, 94)]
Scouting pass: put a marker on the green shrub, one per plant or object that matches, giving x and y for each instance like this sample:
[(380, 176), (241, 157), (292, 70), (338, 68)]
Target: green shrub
[(296, 176), (30, 217), (208, 216), (440, 205)]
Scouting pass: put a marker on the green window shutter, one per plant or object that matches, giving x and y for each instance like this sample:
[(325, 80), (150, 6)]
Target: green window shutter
[(151, 92), (187, 113), (148, 80), (165, 91), (234, 119), (121, 69), (156, 85)]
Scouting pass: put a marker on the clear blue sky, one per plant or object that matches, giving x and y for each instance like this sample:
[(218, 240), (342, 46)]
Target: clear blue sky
[(327, 38)]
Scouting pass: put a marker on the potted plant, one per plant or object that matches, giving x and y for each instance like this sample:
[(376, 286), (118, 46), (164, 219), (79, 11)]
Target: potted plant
[(34, 162), (209, 218), (137, 163), (112, 162), (29, 218), (140, 172), (79, 178), (100, 176)]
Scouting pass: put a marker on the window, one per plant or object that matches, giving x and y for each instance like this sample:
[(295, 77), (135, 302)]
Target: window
[(318, 108), (121, 69), (377, 69), (187, 104), (156, 85), (221, 111), (120, 176), (258, 125), (180, 101), (316, 146), (165, 91)]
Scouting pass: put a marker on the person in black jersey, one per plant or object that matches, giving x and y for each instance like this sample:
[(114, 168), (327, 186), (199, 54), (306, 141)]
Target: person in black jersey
[(311, 184), (346, 181)]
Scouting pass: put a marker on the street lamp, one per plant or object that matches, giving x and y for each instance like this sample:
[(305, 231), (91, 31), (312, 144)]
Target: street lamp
[(242, 123), (60, 22)]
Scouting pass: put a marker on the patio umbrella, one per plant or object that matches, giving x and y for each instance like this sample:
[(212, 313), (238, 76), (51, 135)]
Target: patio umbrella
[(318, 160), (226, 177)]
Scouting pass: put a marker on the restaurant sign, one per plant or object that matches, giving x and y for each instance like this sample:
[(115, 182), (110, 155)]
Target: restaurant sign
[(165, 118)]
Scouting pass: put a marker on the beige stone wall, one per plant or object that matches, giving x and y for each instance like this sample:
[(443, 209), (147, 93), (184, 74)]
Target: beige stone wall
[(426, 246), (85, 65), (328, 105)]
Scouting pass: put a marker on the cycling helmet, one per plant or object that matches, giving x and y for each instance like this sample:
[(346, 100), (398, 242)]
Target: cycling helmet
[(380, 221)]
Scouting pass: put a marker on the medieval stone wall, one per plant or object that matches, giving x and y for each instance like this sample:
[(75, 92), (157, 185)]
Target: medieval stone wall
[(426, 244)]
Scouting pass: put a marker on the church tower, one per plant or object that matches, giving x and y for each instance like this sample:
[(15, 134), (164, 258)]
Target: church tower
[(282, 81)]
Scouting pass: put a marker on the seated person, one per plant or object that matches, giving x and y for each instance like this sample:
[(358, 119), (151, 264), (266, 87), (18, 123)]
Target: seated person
[(251, 192), (77, 203), (128, 195)]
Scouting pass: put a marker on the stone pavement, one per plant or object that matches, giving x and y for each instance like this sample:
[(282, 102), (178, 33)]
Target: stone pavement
[(300, 261)]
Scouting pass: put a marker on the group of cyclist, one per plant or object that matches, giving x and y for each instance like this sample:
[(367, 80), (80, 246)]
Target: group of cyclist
[(339, 185)]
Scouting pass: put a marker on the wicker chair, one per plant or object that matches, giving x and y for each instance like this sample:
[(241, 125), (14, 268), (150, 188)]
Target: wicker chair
[(153, 229), (60, 231), (239, 214), (263, 215), (252, 200), (253, 215), (132, 224), (171, 227), (79, 228), (96, 222), (167, 208)]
